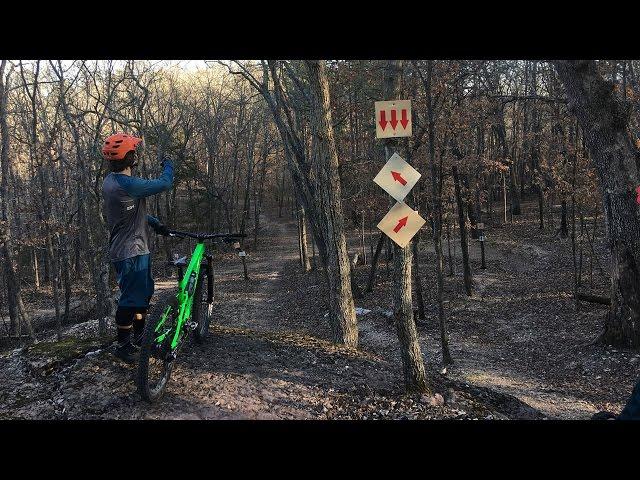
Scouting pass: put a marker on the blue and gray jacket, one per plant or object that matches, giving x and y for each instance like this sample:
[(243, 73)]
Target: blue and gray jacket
[(125, 209)]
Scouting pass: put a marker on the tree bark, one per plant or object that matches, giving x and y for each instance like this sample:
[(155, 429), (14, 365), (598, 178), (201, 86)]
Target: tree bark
[(412, 361), (604, 119), (17, 312), (462, 222), (304, 245), (417, 279), (436, 197), (325, 199), (564, 228), (374, 262)]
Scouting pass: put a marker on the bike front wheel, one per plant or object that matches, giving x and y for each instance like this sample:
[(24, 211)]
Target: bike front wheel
[(156, 360)]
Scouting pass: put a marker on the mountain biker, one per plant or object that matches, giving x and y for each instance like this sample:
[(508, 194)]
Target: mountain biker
[(126, 214)]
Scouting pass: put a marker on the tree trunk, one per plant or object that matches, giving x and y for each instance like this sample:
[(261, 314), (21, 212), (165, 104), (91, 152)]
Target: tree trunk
[(604, 120), (504, 197), (54, 284), (541, 206), (304, 246), (564, 228), (36, 268), (281, 199), (464, 245), (327, 208), (412, 361), (374, 262), (418, 280), (436, 192), (362, 239), (450, 258), (17, 311)]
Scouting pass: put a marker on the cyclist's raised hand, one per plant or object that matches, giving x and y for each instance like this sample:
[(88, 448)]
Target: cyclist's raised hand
[(162, 229)]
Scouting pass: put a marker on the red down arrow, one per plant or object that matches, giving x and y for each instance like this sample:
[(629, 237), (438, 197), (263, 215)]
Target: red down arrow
[(398, 178), (404, 121), (401, 223), (394, 120), (383, 119)]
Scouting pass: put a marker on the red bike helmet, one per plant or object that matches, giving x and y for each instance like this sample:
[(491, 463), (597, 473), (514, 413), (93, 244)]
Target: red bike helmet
[(116, 146)]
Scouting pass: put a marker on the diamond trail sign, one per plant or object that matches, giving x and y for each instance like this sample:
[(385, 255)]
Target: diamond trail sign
[(397, 177), (401, 223)]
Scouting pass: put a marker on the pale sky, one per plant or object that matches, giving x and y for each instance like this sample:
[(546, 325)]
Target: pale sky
[(191, 65)]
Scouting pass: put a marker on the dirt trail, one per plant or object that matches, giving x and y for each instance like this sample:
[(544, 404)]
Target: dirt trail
[(268, 357), (239, 373)]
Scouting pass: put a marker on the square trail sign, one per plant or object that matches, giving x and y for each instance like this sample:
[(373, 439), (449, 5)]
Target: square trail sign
[(401, 223), (393, 119), (397, 177)]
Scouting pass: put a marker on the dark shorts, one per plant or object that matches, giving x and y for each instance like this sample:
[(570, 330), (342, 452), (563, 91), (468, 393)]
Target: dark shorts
[(135, 281)]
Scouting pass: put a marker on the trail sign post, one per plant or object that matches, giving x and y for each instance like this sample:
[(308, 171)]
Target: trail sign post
[(393, 119), (401, 223), (397, 177), (480, 228)]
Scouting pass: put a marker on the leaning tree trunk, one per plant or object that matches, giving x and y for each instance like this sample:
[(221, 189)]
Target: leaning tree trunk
[(328, 208), (604, 119), (317, 185)]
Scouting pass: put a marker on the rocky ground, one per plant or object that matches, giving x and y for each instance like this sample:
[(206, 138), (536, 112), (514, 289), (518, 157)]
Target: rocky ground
[(520, 349)]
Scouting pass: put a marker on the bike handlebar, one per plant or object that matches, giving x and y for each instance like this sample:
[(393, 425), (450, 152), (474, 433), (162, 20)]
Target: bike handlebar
[(206, 236)]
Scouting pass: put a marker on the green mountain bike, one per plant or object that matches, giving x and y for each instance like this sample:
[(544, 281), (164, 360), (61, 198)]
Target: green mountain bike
[(177, 314)]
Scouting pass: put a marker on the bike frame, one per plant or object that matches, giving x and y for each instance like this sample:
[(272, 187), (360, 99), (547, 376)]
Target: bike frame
[(188, 285), (185, 294)]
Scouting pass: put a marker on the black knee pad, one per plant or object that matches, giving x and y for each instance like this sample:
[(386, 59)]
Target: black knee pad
[(124, 316)]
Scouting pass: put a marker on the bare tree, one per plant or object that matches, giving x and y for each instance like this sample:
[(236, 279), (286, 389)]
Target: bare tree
[(17, 311), (604, 118)]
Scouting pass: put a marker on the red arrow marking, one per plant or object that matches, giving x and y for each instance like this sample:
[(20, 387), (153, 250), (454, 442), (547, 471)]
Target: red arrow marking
[(401, 223), (398, 177), (383, 119), (638, 192), (394, 121), (404, 120)]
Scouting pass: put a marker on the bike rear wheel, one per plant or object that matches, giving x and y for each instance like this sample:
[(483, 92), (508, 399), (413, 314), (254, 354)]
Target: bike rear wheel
[(202, 310), (156, 362)]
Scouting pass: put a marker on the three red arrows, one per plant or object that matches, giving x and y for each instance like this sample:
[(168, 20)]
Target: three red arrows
[(393, 119), (404, 121), (397, 177)]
